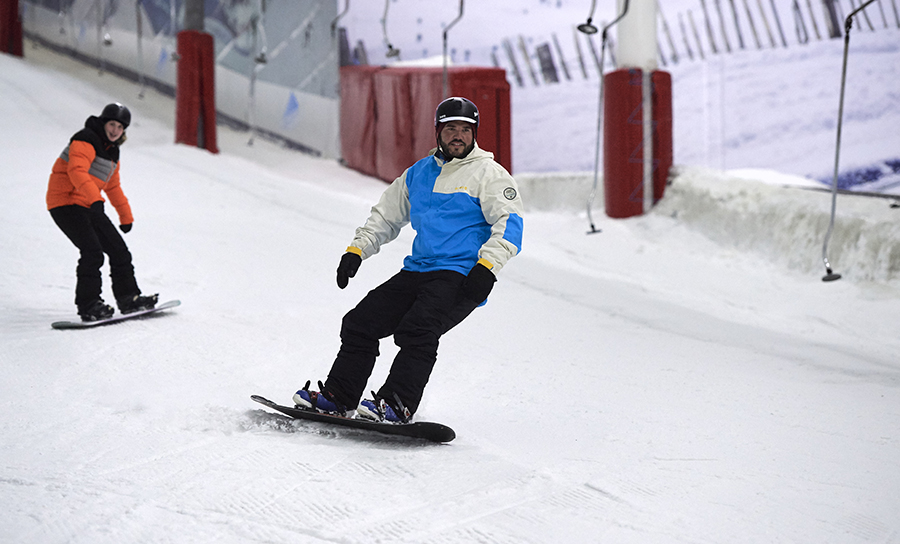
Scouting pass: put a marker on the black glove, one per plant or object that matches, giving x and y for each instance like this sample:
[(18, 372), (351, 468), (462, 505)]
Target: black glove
[(347, 269), (97, 208), (478, 284), (125, 228)]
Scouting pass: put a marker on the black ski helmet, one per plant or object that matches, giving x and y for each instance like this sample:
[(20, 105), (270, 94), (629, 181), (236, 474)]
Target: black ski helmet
[(116, 112), (456, 108)]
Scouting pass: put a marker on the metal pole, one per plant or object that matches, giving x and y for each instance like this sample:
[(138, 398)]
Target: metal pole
[(100, 36), (391, 52), (600, 112), (173, 18), (338, 18), (722, 26), (848, 23), (737, 24), (883, 16), (766, 23), (580, 56), (684, 36), (709, 29), (527, 58), (444, 82), (258, 24), (778, 23), (193, 15), (696, 35), (812, 18), (800, 25), (562, 59), (752, 25), (647, 113), (832, 23), (140, 48), (669, 34)]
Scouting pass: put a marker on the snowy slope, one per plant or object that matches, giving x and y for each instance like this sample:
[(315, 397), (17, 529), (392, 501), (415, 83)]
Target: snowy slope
[(657, 382)]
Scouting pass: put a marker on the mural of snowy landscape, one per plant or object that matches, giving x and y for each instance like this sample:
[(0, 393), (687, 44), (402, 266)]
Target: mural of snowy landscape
[(731, 109)]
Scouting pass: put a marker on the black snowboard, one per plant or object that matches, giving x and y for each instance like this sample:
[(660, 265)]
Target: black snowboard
[(115, 318), (434, 432)]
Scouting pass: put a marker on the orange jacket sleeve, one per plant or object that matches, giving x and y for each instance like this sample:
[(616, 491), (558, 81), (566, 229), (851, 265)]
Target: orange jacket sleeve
[(118, 199)]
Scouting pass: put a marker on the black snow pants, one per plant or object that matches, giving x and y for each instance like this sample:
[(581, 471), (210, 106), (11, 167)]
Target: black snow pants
[(417, 308), (94, 234)]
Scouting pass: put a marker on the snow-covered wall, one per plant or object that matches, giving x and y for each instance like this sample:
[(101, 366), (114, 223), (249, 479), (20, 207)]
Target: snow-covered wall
[(295, 93)]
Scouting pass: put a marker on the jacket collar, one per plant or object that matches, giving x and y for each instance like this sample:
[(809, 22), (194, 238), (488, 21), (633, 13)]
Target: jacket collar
[(475, 155), (96, 125)]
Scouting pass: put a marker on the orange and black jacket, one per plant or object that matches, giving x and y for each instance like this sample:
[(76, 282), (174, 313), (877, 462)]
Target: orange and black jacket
[(88, 165)]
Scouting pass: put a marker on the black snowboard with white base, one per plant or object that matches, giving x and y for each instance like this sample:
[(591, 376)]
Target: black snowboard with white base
[(427, 430), (115, 318)]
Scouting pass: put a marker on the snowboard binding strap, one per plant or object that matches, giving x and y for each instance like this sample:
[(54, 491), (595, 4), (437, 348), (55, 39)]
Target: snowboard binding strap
[(341, 410), (399, 409)]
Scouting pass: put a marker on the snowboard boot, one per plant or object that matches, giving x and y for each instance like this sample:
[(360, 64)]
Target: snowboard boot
[(383, 411), (95, 311), (136, 303), (321, 401)]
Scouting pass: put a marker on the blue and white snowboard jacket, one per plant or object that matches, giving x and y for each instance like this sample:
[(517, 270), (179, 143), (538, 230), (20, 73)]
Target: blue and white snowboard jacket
[(464, 211)]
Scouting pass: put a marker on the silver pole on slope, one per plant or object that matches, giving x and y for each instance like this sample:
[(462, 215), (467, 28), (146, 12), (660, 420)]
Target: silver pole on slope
[(338, 18), (140, 50), (391, 52), (444, 82), (848, 23), (588, 28)]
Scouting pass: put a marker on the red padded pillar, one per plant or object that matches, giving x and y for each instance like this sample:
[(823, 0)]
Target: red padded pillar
[(489, 90), (394, 123), (623, 143), (358, 118), (195, 93), (387, 114), (10, 28)]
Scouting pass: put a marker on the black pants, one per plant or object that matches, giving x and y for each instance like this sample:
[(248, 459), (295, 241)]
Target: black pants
[(94, 234), (417, 308)]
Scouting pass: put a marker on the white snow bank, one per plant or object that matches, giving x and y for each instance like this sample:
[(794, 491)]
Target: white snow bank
[(787, 224), (779, 217)]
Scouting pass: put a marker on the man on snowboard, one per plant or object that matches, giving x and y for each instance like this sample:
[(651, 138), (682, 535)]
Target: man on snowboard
[(467, 214)]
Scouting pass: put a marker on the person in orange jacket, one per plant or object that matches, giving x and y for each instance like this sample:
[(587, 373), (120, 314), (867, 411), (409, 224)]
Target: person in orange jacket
[(87, 166)]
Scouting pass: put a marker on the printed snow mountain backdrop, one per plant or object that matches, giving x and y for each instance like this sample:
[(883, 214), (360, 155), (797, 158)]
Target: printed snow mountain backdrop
[(733, 108)]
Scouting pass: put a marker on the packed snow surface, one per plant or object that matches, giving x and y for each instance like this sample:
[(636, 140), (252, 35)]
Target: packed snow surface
[(684, 376)]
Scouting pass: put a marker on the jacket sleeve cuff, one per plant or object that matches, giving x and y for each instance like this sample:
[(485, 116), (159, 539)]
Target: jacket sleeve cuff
[(485, 263)]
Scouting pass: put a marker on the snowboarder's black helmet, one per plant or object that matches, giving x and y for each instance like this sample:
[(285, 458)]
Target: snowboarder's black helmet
[(456, 108), (116, 112)]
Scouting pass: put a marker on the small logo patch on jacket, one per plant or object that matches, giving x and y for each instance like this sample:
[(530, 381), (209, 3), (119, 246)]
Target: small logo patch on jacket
[(509, 193)]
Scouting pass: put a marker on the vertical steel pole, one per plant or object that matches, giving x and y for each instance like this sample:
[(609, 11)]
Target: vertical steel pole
[(445, 84), (647, 113), (829, 274), (140, 47)]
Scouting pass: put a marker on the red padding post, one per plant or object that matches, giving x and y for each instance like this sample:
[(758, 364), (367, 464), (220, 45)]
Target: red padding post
[(394, 123), (387, 114), (195, 94), (623, 143), (358, 118), (10, 28)]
